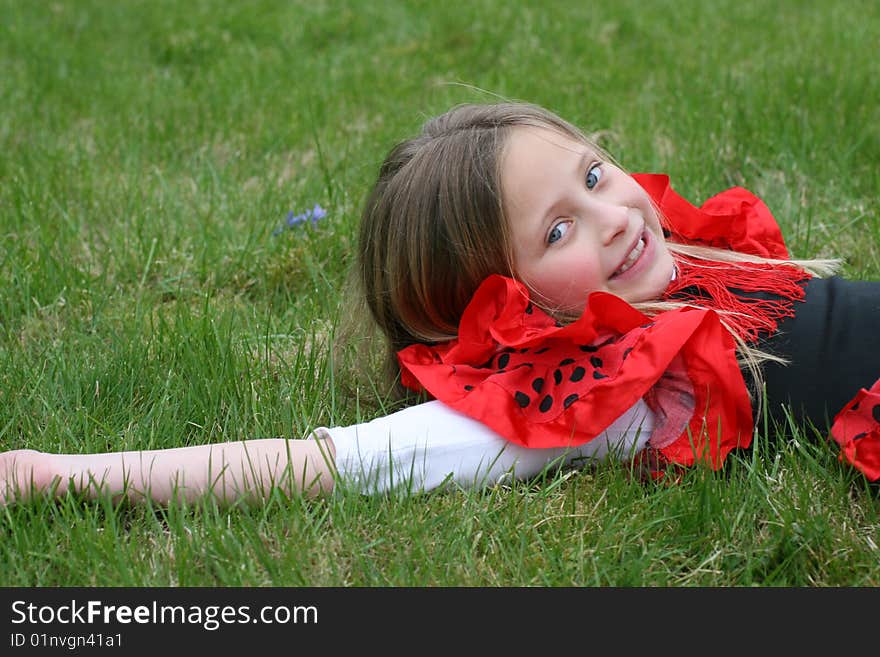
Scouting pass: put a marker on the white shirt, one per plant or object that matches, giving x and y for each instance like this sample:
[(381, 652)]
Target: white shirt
[(428, 445)]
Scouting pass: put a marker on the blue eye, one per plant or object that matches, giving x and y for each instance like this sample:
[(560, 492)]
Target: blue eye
[(594, 175), (557, 232)]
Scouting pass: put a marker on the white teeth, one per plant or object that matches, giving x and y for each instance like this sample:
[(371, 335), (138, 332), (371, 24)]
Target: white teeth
[(632, 257)]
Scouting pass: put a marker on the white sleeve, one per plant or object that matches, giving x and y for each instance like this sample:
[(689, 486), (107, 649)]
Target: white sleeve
[(424, 446)]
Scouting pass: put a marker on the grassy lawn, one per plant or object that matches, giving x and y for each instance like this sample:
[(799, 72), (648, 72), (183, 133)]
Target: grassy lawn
[(152, 296)]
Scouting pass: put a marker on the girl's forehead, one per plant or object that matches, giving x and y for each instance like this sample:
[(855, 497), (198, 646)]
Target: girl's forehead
[(529, 149), (536, 140)]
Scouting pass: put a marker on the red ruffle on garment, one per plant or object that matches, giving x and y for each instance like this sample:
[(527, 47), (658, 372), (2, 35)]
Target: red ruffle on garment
[(734, 219), (539, 384), (856, 429)]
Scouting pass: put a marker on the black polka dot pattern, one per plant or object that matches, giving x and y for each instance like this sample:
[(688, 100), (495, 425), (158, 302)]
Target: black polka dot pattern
[(857, 430), (548, 378)]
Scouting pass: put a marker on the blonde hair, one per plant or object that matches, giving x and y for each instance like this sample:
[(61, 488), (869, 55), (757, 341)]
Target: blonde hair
[(433, 228)]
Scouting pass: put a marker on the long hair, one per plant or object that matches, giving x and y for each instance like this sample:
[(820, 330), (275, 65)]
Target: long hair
[(433, 228)]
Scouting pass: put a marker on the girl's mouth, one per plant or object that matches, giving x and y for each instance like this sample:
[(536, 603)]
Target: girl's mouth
[(632, 257)]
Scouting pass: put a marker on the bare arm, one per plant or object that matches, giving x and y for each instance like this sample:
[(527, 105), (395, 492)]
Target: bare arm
[(418, 448), (227, 471)]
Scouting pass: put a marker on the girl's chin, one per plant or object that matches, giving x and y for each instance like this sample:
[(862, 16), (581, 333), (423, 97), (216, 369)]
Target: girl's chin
[(650, 287)]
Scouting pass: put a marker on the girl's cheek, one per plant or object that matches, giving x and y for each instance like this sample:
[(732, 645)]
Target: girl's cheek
[(653, 221)]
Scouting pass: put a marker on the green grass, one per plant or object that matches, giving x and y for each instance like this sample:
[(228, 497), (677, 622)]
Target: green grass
[(149, 151)]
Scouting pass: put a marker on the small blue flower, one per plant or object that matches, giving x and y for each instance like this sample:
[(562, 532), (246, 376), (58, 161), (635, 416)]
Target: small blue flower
[(293, 219)]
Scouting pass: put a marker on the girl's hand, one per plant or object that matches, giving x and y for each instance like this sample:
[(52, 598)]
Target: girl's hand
[(24, 472)]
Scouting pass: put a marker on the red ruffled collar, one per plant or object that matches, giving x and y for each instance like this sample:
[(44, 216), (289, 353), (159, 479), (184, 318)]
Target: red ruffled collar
[(540, 384)]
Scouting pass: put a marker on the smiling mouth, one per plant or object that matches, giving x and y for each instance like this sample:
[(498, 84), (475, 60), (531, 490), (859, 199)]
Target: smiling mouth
[(632, 258)]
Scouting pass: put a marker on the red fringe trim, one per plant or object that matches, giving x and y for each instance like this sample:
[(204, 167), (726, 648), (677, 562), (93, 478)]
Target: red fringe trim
[(715, 281)]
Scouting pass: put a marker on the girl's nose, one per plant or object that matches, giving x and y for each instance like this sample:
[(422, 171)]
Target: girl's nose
[(612, 220)]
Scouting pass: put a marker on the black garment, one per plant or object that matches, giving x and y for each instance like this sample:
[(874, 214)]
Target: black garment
[(833, 348)]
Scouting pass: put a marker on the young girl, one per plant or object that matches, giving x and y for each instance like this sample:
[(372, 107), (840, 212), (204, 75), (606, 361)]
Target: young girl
[(558, 310)]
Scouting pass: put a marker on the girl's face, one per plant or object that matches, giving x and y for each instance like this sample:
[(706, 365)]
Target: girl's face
[(579, 224)]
